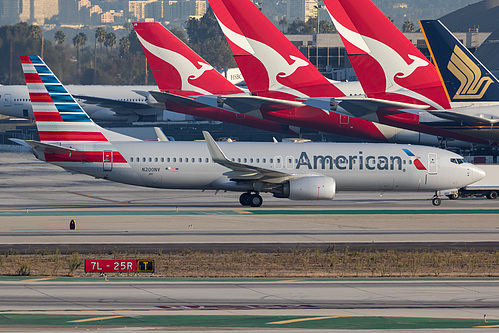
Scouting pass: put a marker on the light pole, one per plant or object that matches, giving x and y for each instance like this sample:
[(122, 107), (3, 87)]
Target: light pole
[(318, 6)]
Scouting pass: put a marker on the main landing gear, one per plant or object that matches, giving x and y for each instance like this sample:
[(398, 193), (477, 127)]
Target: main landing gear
[(251, 199)]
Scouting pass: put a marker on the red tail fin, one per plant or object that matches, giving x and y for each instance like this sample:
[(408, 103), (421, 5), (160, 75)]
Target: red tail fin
[(266, 58), (175, 66), (387, 64)]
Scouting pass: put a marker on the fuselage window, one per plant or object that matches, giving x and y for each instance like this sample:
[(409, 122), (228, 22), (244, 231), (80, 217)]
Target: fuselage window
[(257, 160), (131, 159), (207, 160), (180, 159), (155, 159), (174, 159), (239, 160), (162, 159), (187, 160), (245, 160), (200, 160), (264, 160), (168, 159), (271, 160), (251, 160), (143, 159), (410, 162), (193, 160)]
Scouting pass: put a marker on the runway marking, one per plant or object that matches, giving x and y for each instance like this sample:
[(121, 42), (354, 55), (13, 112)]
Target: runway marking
[(41, 279), (248, 212), (96, 319), (99, 198), (485, 326), (300, 320)]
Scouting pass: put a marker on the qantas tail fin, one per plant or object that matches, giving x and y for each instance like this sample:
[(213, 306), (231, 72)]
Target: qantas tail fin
[(176, 67), (266, 58), (58, 116), (465, 77), (387, 64)]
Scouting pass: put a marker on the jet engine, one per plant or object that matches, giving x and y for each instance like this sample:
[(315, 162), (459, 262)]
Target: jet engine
[(308, 188)]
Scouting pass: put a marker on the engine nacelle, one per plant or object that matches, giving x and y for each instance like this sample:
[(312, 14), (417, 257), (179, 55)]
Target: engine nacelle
[(309, 188)]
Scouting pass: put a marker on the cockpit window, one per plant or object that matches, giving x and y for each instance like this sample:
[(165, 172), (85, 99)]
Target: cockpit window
[(457, 160)]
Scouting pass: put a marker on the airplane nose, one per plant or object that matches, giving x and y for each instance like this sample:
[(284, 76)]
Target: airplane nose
[(477, 173)]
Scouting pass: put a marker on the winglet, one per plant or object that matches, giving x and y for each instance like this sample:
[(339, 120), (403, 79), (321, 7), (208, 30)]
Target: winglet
[(216, 153)]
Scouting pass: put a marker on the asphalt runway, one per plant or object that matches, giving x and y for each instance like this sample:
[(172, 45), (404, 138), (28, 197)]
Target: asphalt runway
[(37, 201), (320, 300)]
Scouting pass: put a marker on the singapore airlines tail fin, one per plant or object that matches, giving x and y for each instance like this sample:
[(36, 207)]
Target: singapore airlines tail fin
[(266, 58), (63, 126), (464, 76), (176, 67), (387, 64)]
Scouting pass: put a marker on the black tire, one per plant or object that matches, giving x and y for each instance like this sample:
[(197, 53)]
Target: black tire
[(436, 201), (244, 199), (492, 195), (453, 196), (256, 200)]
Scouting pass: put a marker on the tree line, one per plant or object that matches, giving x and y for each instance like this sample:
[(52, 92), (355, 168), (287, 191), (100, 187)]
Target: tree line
[(103, 59)]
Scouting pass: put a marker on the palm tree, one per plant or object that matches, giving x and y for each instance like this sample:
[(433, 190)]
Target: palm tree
[(35, 32), (60, 38), (79, 41), (125, 46), (408, 26), (111, 40), (100, 36), (284, 24)]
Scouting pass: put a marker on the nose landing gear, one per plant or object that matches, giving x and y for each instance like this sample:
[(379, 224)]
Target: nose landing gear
[(436, 201), (251, 199)]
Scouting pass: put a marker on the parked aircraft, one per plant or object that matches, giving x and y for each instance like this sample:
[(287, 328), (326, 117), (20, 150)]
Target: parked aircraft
[(273, 96), (263, 52), (103, 103), (186, 78), (472, 89), (390, 67), (70, 139)]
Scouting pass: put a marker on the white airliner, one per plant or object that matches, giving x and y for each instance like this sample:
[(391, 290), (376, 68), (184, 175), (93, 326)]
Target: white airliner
[(102, 103), (298, 171)]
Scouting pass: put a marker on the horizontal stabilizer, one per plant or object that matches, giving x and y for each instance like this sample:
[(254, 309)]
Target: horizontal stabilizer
[(41, 147)]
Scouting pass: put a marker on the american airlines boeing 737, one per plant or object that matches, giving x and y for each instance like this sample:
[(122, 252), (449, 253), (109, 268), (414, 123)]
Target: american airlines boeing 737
[(299, 171)]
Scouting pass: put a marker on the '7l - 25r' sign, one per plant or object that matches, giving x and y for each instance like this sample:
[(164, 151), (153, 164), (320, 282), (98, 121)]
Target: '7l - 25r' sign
[(119, 266)]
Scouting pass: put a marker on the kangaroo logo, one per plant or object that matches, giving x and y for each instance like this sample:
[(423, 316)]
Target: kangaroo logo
[(276, 65), (392, 63), (186, 68), (473, 84)]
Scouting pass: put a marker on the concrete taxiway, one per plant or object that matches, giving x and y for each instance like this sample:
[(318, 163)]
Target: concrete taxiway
[(37, 201)]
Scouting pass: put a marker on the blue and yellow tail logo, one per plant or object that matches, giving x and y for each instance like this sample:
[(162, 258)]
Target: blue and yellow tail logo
[(473, 84), (464, 76)]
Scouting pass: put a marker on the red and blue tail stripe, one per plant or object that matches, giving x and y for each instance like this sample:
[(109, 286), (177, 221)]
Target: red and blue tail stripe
[(58, 116)]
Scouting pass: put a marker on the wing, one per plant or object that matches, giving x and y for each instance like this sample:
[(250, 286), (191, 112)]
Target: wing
[(468, 119), (245, 172), (360, 107), (120, 107)]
